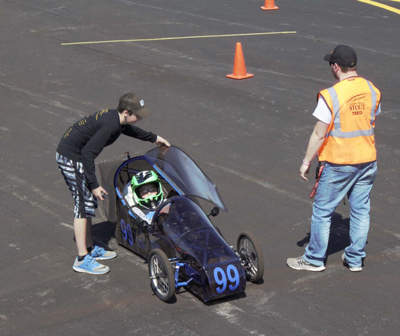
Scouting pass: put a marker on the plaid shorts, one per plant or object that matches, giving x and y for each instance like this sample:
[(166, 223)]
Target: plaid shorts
[(74, 175)]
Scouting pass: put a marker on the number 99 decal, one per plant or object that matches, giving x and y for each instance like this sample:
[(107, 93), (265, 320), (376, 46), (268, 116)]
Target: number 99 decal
[(220, 278), (126, 232)]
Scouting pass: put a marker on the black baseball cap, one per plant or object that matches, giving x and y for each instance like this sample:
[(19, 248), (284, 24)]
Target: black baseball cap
[(132, 102), (343, 55)]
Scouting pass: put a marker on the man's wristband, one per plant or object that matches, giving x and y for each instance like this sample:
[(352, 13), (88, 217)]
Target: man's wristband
[(306, 163)]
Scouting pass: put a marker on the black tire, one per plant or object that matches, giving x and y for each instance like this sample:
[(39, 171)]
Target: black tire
[(162, 280), (251, 254)]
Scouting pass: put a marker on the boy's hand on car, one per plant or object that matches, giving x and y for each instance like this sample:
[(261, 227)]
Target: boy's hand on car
[(162, 142)]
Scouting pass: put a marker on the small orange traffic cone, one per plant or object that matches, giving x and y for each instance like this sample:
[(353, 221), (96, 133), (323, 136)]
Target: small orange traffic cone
[(269, 5), (239, 68)]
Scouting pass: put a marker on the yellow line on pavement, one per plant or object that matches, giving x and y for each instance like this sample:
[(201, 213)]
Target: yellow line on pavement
[(178, 38), (377, 4)]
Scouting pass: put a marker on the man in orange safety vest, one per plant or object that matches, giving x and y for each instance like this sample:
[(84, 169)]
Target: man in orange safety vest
[(344, 139)]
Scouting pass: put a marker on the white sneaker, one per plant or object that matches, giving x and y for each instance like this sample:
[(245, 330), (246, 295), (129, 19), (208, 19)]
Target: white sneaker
[(351, 268), (300, 264)]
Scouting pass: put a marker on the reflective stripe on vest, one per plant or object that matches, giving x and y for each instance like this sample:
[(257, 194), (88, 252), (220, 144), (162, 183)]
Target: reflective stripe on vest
[(373, 99), (337, 133), (350, 136)]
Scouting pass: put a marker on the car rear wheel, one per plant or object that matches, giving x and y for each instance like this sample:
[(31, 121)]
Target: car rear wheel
[(162, 279), (251, 255)]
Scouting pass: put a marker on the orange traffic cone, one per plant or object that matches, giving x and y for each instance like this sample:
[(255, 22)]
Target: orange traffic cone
[(269, 5), (239, 68)]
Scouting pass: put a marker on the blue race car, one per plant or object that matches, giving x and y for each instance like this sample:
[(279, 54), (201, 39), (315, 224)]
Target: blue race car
[(183, 248)]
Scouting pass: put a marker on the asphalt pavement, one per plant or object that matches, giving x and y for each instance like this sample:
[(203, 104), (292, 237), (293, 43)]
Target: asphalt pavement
[(249, 136)]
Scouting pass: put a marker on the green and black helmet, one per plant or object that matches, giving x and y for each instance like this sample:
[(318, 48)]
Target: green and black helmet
[(148, 181)]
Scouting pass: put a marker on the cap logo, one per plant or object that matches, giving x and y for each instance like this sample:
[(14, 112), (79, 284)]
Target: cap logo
[(141, 102)]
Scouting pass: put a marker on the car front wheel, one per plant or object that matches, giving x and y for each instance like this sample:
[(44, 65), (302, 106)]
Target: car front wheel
[(162, 279), (251, 255)]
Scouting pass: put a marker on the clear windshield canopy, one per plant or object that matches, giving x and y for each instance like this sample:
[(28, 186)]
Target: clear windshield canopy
[(185, 174)]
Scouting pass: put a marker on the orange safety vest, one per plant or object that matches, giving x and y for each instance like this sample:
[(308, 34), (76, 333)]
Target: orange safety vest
[(349, 139)]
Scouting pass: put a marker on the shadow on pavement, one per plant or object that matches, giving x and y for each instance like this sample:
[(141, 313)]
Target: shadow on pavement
[(339, 235)]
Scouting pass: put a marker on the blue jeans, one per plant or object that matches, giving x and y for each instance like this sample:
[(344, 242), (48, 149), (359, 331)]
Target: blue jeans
[(336, 181)]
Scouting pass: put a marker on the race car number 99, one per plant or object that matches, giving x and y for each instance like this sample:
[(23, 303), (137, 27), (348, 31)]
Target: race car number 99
[(126, 232), (220, 278)]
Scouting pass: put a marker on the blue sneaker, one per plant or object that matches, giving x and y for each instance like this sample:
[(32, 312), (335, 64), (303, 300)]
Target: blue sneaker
[(90, 265), (100, 253)]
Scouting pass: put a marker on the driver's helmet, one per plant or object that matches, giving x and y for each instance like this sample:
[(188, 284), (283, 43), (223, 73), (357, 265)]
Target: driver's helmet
[(147, 180)]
